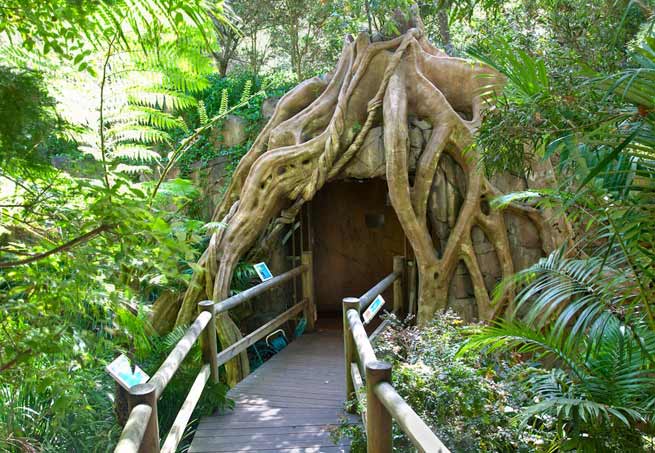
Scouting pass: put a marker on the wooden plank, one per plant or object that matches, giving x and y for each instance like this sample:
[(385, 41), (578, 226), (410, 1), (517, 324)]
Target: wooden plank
[(264, 430), (289, 404), (287, 394), (284, 450), (318, 437), (226, 444)]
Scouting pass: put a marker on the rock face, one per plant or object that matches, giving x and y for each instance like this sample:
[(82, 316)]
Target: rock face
[(268, 107), (232, 133), (210, 178)]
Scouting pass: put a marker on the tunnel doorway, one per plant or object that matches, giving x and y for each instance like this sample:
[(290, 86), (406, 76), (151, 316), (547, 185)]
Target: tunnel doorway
[(356, 234)]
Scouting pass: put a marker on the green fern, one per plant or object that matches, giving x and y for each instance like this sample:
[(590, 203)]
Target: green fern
[(202, 113), (247, 88), (222, 110)]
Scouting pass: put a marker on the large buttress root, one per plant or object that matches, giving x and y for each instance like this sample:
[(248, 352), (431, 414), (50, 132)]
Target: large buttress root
[(313, 136)]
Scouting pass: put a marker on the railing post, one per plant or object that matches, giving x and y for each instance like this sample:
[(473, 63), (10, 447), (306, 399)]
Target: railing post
[(146, 394), (349, 348), (398, 295), (308, 289), (208, 340), (379, 437)]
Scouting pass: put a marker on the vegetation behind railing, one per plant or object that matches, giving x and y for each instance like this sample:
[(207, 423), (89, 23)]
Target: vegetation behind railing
[(383, 403), (141, 432)]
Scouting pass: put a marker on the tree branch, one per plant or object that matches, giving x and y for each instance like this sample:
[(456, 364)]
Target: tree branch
[(68, 245)]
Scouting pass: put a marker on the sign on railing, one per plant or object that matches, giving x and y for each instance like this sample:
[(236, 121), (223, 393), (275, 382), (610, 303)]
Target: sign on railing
[(121, 370), (141, 432), (373, 309), (383, 403), (263, 271)]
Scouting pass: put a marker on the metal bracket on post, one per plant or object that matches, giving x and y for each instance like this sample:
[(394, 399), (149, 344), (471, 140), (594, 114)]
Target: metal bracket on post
[(146, 394), (379, 437), (208, 341)]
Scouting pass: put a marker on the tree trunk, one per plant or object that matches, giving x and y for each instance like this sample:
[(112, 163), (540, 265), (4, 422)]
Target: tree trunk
[(444, 31), (316, 135)]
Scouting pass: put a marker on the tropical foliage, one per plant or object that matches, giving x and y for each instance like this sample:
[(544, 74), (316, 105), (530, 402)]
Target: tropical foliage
[(470, 400), (586, 313), (108, 111)]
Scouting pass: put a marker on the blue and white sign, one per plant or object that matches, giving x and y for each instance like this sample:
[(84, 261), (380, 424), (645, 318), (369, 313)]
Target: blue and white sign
[(263, 271), (373, 309), (121, 370)]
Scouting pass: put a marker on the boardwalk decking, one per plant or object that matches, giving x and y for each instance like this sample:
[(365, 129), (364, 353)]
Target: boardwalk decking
[(287, 405)]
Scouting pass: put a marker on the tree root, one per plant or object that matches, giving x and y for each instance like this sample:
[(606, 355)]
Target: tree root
[(319, 127)]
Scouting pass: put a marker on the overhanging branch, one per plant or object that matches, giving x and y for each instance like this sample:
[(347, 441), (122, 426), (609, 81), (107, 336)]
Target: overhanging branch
[(68, 245)]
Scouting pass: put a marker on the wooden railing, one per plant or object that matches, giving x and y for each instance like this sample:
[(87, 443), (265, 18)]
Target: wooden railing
[(366, 375), (141, 432)]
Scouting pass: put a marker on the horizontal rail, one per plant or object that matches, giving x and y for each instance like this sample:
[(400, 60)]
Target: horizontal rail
[(412, 425), (248, 294), (247, 341), (370, 295), (134, 429), (164, 374), (360, 389), (141, 433), (179, 425), (383, 403), (364, 349), (383, 325)]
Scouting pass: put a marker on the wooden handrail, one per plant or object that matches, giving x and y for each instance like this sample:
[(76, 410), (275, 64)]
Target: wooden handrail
[(415, 428), (247, 341), (248, 294), (370, 295), (134, 429), (165, 373), (365, 353), (383, 403), (179, 425), (141, 432)]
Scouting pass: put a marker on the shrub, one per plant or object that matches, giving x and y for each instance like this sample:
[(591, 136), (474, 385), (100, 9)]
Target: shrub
[(470, 402)]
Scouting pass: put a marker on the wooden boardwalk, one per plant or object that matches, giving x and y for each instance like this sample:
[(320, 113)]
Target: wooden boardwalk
[(287, 405)]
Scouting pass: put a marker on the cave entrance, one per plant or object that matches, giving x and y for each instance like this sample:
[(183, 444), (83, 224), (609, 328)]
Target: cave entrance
[(356, 234)]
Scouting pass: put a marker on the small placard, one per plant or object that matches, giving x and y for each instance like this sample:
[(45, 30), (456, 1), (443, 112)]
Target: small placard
[(373, 309), (121, 370), (263, 271)]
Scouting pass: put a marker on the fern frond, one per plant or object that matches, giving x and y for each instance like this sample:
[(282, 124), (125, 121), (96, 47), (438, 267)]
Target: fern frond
[(245, 95), (135, 152), (138, 134), (153, 117), (162, 99), (224, 102), (133, 169), (202, 113)]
